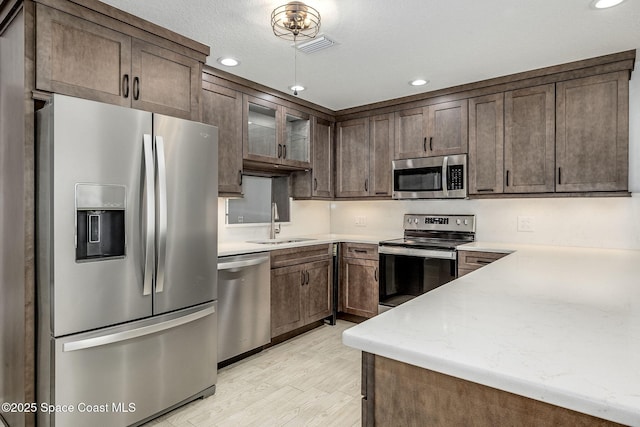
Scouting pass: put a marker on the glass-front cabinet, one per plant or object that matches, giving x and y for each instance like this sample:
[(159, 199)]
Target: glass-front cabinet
[(297, 136), (276, 135)]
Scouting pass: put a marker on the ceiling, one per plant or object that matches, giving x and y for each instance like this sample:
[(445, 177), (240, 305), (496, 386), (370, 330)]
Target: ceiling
[(381, 45)]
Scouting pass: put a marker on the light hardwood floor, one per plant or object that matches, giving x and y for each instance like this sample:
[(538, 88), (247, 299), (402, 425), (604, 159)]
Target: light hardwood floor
[(310, 380)]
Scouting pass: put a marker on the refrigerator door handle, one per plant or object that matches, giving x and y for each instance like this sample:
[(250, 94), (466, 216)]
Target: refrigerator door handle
[(149, 204), (161, 213), (136, 333)]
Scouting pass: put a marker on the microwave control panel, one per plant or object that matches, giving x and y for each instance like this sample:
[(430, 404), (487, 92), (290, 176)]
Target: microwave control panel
[(455, 179)]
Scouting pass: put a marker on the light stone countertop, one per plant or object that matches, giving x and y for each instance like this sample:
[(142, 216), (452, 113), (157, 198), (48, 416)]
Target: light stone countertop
[(556, 324), (237, 248)]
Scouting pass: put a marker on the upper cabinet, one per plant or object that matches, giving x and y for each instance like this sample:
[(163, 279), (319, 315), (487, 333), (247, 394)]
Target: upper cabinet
[(570, 136), (96, 58), (435, 130), (222, 107), (486, 144), (364, 150), (276, 135), (529, 132), (592, 138), (317, 183)]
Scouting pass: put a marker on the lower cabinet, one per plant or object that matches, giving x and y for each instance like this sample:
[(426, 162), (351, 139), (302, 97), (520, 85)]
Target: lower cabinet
[(469, 261), (301, 287), (359, 277)]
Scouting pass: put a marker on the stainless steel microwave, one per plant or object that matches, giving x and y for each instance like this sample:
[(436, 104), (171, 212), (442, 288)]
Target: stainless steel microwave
[(442, 177)]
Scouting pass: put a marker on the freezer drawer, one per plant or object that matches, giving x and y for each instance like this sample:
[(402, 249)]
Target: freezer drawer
[(120, 376)]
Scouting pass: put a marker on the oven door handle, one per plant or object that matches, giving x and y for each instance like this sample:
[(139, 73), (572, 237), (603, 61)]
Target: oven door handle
[(422, 253)]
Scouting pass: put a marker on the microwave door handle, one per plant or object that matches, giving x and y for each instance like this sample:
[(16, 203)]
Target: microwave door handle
[(149, 206), (161, 214), (445, 166)]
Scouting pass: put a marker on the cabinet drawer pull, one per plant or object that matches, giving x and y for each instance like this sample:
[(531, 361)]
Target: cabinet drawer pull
[(125, 85), (483, 261), (480, 190), (136, 88), (240, 177), (360, 251)]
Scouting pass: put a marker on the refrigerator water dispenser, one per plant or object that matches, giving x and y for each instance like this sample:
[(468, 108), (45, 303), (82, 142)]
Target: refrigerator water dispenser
[(100, 214)]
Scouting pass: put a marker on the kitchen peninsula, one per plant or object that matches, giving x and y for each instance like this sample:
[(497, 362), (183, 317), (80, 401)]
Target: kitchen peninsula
[(545, 336)]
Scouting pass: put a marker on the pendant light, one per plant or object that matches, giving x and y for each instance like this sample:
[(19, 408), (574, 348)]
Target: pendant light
[(292, 21)]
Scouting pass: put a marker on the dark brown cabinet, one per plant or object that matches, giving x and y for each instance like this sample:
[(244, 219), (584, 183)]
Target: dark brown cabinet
[(529, 140), (222, 107), (318, 182), (359, 279), (275, 135), (486, 144), (81, 58), (364, 150), (469, 261), (592, 133), (435, 130), (301, 287)]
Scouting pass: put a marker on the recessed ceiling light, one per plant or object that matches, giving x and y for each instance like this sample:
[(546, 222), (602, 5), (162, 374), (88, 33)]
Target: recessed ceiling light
[(418, 82), (296, 88), (229, 62), (603, 4)]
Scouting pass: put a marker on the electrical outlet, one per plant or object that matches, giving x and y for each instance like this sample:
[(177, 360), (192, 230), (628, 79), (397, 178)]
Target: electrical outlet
[(361, 221), (526, 224)]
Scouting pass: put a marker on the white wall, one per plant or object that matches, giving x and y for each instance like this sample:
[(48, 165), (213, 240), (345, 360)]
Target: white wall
[(591, 222)]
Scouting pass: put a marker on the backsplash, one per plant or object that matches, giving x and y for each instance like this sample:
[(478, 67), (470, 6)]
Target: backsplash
[(612, 222)]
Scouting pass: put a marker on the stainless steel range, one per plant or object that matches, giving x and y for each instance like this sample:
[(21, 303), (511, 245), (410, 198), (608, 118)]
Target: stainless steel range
[(424, 258)]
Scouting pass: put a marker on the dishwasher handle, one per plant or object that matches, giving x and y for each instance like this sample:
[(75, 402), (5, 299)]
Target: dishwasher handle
[(228, 265)]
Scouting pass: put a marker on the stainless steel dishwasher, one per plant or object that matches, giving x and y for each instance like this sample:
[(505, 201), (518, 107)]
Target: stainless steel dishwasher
[(244, 304)]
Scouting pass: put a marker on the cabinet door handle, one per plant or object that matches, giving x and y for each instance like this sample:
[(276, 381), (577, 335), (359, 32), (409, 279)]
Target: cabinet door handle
[(125, 85), (279, 150), (366, 184), (559, 175), (315, 184), (136, 88), (302, 278), (424, 144), (375, 274), (240, 177), (307, 277), (284, 151), (431, 144), (507, 178)]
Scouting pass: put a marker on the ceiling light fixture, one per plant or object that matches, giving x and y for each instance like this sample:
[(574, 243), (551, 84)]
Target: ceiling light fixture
[(418, 82), (604, 4), (292, 21), (228, 62), (295, 20)]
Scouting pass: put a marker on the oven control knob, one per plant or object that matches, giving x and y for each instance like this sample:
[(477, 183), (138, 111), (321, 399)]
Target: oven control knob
[(466, 222), (458, 222)]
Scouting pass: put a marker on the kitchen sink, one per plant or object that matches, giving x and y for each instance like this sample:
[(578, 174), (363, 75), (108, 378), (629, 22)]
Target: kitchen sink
[(279, 241)]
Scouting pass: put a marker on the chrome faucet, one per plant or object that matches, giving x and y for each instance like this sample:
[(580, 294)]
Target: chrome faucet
[(274, 218)]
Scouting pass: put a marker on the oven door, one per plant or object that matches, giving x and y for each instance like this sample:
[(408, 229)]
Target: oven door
[(406, 273)]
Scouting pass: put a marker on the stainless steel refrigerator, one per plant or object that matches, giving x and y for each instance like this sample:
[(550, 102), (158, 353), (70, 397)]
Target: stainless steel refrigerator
[(127, 253)]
